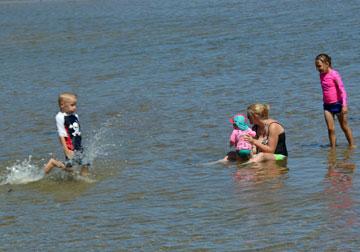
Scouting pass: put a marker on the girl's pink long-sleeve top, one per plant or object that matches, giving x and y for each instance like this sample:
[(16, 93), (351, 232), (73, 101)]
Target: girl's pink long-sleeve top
[(333, 88), (237, 140)]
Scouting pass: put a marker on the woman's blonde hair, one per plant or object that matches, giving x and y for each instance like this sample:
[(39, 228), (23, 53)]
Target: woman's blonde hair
[(259, 109)]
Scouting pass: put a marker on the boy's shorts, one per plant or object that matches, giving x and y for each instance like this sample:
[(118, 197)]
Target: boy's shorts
[(334, 108), (78, 159)]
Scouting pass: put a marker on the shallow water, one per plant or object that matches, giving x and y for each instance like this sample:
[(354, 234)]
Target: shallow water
[(157, 82)]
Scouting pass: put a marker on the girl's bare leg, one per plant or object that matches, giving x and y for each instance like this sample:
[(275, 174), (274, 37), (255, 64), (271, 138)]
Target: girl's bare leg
[(329, 119), (343, 120)]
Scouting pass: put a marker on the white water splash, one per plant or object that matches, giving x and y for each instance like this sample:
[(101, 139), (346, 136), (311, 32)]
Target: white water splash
[(22, 172), (96, 145)]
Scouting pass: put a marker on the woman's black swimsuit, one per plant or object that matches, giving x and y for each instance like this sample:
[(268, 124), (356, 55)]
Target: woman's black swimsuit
[(281, 144)]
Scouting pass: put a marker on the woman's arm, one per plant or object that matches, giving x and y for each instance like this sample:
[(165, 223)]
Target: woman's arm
[(274, 130)]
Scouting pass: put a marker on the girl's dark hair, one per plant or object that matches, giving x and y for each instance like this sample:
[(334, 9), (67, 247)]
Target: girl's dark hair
[(324, 58)]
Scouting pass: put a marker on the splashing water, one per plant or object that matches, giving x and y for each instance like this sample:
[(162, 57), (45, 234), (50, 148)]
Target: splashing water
[(22, 173), (96, 146)]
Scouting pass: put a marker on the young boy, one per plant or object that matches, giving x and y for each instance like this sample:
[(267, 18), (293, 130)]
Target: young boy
[(68, 127)]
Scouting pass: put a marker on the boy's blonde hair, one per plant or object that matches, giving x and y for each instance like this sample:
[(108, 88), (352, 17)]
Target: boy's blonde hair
[(259, 109), (63, 97)]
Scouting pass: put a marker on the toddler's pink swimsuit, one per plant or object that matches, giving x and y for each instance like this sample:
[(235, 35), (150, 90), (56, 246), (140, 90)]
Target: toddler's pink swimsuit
[(237, 140)]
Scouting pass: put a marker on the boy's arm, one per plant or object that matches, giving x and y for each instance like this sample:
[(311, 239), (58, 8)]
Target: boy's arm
[(68, 153), (62, 134)]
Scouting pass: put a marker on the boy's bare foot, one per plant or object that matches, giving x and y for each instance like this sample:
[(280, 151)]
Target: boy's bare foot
[(84, 171)]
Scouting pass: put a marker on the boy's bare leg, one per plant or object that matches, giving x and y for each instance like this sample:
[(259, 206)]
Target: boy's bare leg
[(84, 170), (53, 163)]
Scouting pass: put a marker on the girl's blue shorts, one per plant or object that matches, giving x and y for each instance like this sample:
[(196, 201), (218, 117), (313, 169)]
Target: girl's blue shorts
[(334, 108)]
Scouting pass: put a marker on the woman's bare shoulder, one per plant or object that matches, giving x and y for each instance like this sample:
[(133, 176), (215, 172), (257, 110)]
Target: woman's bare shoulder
[(276, 126)]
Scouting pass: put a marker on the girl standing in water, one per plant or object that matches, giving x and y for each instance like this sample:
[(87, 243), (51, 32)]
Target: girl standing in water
[(335, 99)]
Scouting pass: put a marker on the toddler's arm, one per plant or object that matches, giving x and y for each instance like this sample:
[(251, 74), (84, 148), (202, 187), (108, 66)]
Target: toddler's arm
[(233, 138), (250, 132)]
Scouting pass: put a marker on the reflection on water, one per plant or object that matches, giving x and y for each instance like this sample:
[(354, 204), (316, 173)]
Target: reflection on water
[(63, 187), (339, 178), (342, 209), (260, 172), (344, 162)]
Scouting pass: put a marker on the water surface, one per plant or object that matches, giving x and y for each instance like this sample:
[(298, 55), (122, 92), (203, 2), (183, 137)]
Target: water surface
[(157, 82)]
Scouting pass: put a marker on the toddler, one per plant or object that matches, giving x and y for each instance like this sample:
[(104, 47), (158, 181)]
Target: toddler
[(243, 148)]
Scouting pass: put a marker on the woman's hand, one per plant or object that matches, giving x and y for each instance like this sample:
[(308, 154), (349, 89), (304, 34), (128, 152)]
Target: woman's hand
[(249, 138)]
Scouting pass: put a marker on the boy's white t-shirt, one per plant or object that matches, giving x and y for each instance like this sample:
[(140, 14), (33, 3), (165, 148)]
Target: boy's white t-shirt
[(60, 123)]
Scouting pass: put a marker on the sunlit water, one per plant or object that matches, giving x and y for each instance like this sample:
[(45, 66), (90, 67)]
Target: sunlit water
[(157, 82)]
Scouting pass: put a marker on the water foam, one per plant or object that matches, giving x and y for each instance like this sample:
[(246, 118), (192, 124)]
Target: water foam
[(22, 172)]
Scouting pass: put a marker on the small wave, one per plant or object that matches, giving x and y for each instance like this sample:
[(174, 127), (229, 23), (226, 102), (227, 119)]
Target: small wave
[(85, 179), (22, 172)]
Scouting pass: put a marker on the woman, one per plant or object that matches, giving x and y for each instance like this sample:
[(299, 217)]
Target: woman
[(270, 134)]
